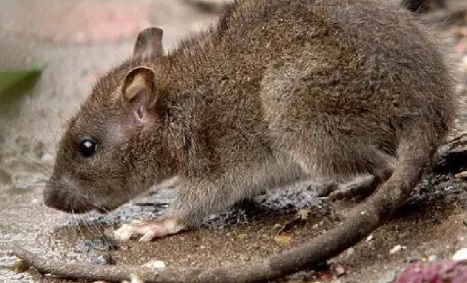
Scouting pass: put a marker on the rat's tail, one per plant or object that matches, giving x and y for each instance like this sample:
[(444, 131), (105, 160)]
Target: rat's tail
[(414, 152)]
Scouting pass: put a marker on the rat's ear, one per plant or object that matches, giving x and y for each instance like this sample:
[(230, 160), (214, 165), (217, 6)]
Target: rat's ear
[(139, 92), (149, 43)]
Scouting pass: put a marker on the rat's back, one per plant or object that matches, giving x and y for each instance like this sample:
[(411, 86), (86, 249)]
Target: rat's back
[(368, 53), (363, 67), (374, 82)]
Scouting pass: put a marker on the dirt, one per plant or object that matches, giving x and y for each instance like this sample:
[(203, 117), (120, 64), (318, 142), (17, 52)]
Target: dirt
[(430, 228)]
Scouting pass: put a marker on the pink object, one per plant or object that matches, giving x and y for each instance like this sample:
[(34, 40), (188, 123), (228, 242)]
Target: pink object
[(77, 21), (460, 48), (442, 272)]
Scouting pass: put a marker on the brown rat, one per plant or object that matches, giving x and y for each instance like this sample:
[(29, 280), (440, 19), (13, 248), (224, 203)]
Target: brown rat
[(276, 92)]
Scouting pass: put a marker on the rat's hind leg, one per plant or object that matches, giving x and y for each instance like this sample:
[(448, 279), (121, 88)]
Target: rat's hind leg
[(360, 187), (348, 167)]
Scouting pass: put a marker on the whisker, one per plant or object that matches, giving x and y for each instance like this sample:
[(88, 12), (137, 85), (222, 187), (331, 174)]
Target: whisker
[(29, 187), (36, 166), (91, 224), (94, 229)]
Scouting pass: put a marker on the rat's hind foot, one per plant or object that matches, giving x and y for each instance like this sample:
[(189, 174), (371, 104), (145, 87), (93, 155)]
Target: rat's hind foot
[(358, 188), (149, 229)]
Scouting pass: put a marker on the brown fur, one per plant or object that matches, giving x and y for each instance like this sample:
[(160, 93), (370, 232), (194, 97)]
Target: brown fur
[(421, 6), (276, 92)]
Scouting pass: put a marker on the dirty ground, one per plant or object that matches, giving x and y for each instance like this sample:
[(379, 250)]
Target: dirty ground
[(76, 41)]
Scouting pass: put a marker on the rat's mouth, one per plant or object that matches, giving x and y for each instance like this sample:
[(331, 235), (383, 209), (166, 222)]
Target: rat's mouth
[(64, 199), (72, 205), (66, 205), (66, 195)]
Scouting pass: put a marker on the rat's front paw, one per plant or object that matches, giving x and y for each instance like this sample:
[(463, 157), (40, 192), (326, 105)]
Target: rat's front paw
[(149, 229)]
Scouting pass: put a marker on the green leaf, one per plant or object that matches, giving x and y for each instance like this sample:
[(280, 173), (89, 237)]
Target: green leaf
[(15, 83)]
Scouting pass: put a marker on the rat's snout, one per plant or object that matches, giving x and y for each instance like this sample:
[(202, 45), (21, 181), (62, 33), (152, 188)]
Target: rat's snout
[(63, 198)]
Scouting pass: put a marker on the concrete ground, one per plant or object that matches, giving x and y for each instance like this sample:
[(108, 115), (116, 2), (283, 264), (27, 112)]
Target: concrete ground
[(76, 41)]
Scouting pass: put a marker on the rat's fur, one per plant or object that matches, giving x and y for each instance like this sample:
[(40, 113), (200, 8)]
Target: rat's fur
[(278, 91), (421, 6)]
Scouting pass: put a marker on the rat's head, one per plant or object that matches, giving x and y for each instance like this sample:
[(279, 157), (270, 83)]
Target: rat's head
[(107, 155)]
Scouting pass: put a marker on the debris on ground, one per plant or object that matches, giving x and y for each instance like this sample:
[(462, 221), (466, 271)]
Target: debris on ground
[(460, 254), (447, 271)]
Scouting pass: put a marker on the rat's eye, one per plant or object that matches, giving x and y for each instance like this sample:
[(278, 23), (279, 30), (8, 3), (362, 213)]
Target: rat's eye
[(87, 147)]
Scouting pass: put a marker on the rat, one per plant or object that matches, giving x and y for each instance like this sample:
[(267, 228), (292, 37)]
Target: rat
[(274, 92)]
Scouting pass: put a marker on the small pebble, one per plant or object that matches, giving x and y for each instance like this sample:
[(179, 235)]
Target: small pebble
[(395, 249), (339, 270), (303, 213), (159, 264), (135, 278), (460, 254), (282, 240), (370, 238)]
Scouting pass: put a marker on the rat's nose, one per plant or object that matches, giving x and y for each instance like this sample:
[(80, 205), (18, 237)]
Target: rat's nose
[(61, 198)]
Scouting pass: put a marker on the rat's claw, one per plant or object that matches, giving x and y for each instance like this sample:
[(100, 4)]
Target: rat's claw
[(123, 233), (149, 229)]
